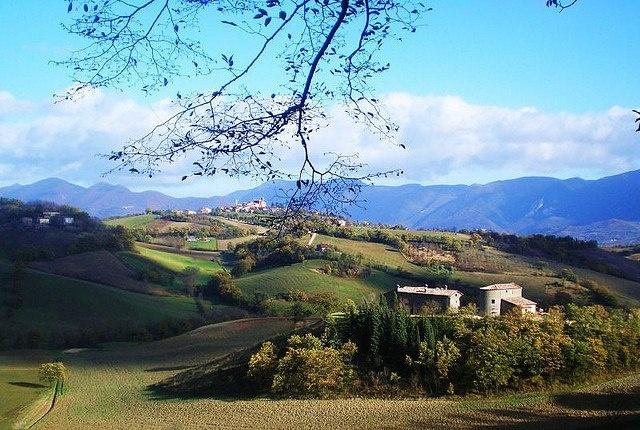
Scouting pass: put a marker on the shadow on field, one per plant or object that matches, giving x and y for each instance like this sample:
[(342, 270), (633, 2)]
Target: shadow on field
[(169, 368), (26, 384), (527, 420), (607, 410), (615, 401)]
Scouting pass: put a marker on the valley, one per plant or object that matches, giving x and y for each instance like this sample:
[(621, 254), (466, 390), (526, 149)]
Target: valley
[(124, 320)]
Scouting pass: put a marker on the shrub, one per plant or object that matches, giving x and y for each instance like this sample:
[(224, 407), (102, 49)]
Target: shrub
[(307, 369), (221, 285), (243, 265), (263, 364)]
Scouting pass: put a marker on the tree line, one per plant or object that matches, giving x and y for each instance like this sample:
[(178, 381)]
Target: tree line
[(393, 353)]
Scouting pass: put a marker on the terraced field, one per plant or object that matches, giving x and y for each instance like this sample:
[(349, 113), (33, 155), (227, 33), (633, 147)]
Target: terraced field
[(107, 390)]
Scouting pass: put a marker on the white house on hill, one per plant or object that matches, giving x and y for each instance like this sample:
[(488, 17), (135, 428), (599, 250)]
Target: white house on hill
[(497, 299)]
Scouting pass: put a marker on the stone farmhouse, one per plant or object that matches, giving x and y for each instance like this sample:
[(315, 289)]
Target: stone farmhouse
[(417, 297), (498, 299), (493, 299)]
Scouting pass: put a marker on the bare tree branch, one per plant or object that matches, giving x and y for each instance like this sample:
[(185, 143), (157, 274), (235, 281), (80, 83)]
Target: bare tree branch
[(328, 52)]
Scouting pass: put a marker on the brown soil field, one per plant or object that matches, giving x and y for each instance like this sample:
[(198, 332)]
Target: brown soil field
[(101, 267)]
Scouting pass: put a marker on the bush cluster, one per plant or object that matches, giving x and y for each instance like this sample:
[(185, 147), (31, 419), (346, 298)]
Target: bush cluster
[(264, 253), (307, 368)]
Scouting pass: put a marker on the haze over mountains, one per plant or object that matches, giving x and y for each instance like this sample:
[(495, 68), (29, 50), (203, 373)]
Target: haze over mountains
[(606, 210)]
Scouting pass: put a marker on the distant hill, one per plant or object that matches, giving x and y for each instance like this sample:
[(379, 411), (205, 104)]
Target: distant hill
[(607, 209)]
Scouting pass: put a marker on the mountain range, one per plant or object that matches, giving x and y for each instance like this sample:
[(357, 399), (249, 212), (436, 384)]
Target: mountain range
[(606, 209)]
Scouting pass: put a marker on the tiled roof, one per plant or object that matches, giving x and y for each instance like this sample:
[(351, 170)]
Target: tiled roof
[(428, 291), (519, 301), (509, 286)]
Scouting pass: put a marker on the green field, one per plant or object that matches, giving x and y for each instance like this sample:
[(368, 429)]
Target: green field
[(136, 221), (203, 245), (306, 277), (55, 305), (378, 253), (20, 388), (107, 389), (177, 263)]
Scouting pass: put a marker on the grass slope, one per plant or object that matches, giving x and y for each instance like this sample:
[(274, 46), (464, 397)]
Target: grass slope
[(57, 304), (306, 277), (135, 221), (378, 253), (108, 390), (19, 388), (203, 245), (101, 267), (225, 244), (177, 263), (242, 225), (487, 266)]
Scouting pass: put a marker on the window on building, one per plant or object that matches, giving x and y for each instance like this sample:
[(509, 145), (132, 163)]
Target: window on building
[(493, 301)]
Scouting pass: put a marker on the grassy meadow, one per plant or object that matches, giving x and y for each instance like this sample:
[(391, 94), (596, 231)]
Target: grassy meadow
[(108, 389), (203, 245), (135, 221), (177, 263), (306, 277), (20, 389), (61, 304)]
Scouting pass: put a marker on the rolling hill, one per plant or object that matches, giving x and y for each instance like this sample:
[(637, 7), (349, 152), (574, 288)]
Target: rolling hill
[(606, 209), (109, 388)]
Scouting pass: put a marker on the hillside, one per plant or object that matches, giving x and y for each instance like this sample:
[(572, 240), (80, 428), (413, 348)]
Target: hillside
[(308, 279), (115, 377), (606, 210), (479, 266), (110, 387), (101, 267), (57, 310)]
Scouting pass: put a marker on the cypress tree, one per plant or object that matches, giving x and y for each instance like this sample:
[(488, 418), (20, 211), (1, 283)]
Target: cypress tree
[(427, 332)]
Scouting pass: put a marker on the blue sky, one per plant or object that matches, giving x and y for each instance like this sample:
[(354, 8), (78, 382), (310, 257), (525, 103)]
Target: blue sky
[(511, 60)]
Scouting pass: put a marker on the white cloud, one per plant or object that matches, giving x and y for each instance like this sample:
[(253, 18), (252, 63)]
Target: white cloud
[(9, 104), (451, 140), (448, 140)]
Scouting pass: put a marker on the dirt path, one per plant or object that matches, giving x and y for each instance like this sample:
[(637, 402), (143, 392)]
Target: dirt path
[(36, 411), (313, 237)]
